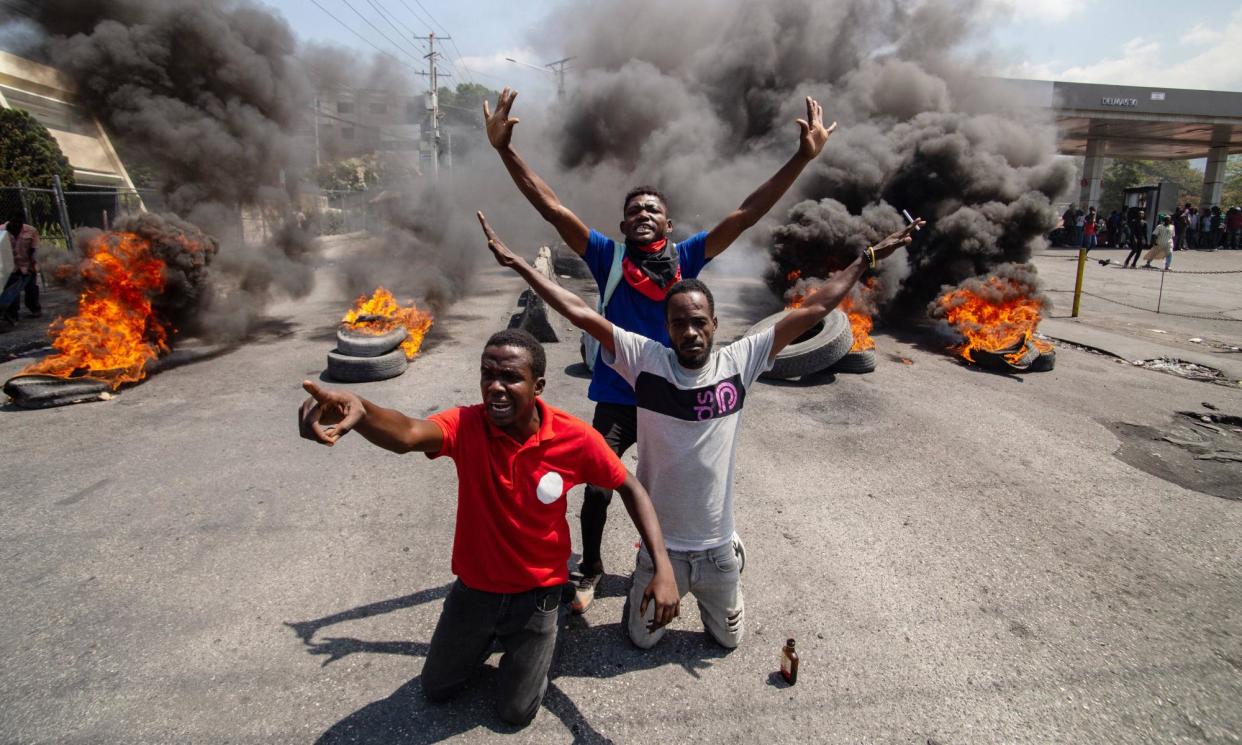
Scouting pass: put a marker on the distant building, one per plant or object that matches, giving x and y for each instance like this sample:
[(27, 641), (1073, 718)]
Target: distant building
[(47, 94), (354, 122)]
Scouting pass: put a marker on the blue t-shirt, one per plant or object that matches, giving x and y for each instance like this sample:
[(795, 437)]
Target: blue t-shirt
[(632, 310)]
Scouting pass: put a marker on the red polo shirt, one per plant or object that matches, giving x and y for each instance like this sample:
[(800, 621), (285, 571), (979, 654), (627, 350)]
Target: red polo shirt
[(512, 535)]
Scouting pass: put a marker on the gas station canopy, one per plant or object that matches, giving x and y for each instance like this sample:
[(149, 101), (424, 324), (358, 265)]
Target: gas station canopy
[(1131, 122)]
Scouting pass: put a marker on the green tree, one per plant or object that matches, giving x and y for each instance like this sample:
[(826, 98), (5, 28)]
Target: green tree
[(1122, 174), (464, 106), (1232, 196), (29, 153), (351, 174)]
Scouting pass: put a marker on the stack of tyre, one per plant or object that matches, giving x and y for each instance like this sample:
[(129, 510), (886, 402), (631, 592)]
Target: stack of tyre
[(825, 346), (362, 358)]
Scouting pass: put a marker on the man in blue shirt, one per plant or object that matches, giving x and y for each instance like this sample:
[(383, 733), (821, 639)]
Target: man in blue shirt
[(650, 266)]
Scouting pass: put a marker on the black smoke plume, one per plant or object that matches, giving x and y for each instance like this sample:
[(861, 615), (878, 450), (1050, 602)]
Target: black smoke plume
[(702, 104), (207, 94)]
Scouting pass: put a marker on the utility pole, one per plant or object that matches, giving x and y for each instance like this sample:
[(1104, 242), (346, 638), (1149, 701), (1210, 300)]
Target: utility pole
[(558, 67), (433, 98), (317, 131)]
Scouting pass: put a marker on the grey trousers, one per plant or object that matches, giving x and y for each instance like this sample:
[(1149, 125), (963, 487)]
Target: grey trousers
[(525, 625), (712, 576)]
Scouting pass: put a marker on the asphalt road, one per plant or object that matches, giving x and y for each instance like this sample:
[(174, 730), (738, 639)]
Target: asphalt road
[(961, 556)]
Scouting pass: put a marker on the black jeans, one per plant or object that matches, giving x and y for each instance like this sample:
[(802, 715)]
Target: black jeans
[(525, 624), (31, 290), (619, 426)]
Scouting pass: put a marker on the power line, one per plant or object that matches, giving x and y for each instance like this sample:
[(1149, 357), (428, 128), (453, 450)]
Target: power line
[(372, 25), (469, 74), (385, 15), (365, 40), (429, 26)]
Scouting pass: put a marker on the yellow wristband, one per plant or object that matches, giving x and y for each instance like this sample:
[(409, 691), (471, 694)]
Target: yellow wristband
[(871, 256)]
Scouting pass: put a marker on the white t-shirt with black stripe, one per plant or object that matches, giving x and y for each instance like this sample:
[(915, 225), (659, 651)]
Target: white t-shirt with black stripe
[(687, 430)]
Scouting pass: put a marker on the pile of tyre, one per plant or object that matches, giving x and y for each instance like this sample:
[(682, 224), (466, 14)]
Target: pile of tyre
[(825, 347), (362, 358)]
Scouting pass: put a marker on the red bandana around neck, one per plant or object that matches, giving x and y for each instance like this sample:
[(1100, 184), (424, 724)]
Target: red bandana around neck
[(647, 269)]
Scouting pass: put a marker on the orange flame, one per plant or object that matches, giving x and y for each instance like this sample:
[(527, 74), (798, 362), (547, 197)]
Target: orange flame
[(1003, 317), (381, 313), (115, 333), (795, 298), (856, 305)]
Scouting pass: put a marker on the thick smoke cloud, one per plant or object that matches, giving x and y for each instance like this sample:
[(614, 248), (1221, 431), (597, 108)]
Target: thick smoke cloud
[(208, 95), (703, 106)]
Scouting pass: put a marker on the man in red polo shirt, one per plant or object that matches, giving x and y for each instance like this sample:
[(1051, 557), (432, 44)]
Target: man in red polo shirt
[(517, 458)]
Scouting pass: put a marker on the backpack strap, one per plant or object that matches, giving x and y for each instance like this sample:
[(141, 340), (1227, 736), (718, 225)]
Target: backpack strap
[(614, 276)]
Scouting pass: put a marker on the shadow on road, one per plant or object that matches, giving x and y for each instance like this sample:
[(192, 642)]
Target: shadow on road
[(583, 651)]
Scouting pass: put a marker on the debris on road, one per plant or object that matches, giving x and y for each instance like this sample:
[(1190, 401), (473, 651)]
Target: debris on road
[(1183, 369), (47, 391)]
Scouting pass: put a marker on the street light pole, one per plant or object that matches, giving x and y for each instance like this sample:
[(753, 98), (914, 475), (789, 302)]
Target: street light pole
[(556, 68)]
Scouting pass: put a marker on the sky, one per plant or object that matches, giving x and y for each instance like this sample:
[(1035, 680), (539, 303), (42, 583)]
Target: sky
[(1135, 42)]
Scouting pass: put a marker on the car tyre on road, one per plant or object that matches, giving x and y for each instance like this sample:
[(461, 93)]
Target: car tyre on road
[(349, 369), (818, 349), (354, 344), (856, 362)]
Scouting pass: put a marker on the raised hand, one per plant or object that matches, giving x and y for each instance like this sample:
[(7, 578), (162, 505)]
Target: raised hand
[(500, 124), (328, 415), (814, 134), (504, 256), (895, 241)]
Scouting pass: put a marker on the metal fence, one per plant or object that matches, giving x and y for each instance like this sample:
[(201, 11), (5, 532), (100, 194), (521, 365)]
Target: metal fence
[(1177, 292), (55, 211)]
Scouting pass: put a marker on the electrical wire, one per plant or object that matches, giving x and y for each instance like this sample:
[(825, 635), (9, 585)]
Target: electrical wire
[(377, 30), (461, 63), (365, 40), (390, 20)]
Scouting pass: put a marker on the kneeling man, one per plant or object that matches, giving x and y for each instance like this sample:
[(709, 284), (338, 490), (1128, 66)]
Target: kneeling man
[(517, 458), (690, 399)]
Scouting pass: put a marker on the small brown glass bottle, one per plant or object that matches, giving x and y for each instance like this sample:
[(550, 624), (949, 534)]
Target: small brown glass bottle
[(789, 663)]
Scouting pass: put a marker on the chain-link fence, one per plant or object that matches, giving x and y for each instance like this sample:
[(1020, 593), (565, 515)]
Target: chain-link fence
[(346, 211)]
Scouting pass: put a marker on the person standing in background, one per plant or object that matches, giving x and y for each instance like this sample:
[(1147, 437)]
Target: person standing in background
[(24, 242), (1205, 229), (1161, 243), (1089, 230)]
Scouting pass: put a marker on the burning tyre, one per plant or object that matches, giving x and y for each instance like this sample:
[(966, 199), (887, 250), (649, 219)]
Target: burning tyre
[(818, 349), (996, 318), (349, 369), (356, 344), (46, 391)]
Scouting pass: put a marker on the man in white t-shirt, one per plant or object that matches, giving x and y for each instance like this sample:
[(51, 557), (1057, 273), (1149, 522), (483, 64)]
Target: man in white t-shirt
[(690, 399)]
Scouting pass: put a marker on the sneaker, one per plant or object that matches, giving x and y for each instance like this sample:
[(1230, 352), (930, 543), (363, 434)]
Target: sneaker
[(584, 592)]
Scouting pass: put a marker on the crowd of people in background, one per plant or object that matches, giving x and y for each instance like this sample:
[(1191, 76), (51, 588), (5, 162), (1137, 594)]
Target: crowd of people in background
[(1203, 228)]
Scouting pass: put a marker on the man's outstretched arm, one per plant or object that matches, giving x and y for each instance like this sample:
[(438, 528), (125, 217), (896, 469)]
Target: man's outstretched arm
[(829, 295), (328, 415), (500, 133), (810, 144), (562, 300)]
